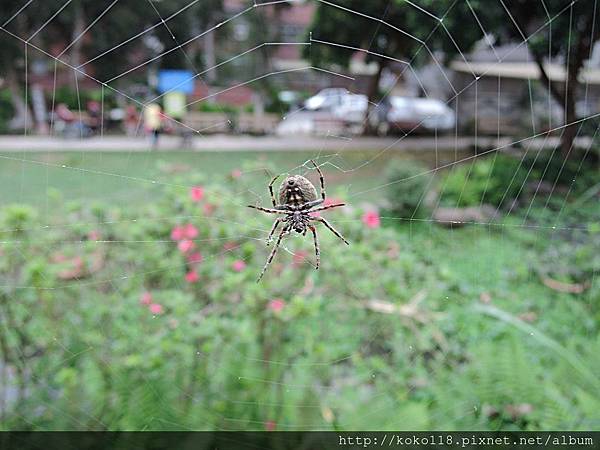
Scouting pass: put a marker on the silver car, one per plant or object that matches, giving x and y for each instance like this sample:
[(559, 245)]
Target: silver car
[(408, 114)]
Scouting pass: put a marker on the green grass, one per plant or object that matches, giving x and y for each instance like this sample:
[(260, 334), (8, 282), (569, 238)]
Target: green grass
[(122, 178)]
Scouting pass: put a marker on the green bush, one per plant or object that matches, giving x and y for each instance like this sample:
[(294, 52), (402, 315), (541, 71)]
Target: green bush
[(70, 97), (495, 180), (580, 171), (109, 323), (408, 183)]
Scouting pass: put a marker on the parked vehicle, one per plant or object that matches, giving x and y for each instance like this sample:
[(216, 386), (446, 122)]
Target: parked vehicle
[(326, 99), (393, 114), (422, 114), (352, 108)]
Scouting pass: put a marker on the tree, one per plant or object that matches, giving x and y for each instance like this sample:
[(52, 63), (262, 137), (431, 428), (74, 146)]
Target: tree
[(561, 29), (80, 31), (402, 39), (12, 50)]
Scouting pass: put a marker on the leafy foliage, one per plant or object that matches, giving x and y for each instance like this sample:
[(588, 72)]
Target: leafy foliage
[(103, 327), (407, 189), (496, 181)]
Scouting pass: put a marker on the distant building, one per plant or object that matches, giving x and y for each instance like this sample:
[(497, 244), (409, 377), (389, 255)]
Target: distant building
[(499, 91)]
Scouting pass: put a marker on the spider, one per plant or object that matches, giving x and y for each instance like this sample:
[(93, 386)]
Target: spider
[(297, 199)]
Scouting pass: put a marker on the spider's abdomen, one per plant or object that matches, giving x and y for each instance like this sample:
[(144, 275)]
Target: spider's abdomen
[(296, 190)]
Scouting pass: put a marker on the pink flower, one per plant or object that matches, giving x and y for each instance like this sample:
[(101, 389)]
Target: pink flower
[(155, 308), (276, 305), (58, 257), (177, 233), (94, 235), (328, 202), (77, 261), (197, 193), (190, 231), (236, 173), (146, 298), (192, 276), (228, 246), (208, 209), (371, 219), (239, 265), (194, 258), (185, 246), (298, 258), (270, 425), (331, 201)]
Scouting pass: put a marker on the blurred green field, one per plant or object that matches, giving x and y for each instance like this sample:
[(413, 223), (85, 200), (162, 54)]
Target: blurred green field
[(126, 177), (416, 325)]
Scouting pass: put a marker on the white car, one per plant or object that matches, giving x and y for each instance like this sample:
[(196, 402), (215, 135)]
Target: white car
[(406, 114), (326, 99), (352, 108)]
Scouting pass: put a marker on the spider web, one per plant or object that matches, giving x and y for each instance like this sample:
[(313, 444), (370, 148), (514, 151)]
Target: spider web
[(334, 158)]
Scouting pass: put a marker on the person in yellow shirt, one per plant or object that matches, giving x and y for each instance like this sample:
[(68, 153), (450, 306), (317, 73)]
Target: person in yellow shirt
[(153, 117)]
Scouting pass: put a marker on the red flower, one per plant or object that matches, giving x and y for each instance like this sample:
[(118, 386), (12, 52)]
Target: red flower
[(190, 231), (239, 265), (371, 219), (155, 308), (270, 425), (197, 193), (276, 305), (192, 276), (185, 246), (177, 233), (194, 258), (146, 298), (236, 173)]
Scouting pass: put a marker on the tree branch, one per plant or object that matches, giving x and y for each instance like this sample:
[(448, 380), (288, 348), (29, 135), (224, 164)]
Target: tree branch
[(554, 91)]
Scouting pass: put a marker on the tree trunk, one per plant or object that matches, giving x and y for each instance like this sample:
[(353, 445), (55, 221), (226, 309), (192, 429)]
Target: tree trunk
[(210, 59), (570, 131), (22, 117), (78, 27), (567, 97), (373, 93)]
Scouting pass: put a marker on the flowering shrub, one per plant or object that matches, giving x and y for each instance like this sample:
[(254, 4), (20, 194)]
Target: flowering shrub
[(151, 318), (371, 219), (407, 185)]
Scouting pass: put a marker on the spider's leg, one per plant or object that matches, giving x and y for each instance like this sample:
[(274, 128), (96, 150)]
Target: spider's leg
[(309, 205), (323, 208), (321, 179), (268, 210), (275, 225), (271, 190), (317, 251), (272, 255), (328, 225)]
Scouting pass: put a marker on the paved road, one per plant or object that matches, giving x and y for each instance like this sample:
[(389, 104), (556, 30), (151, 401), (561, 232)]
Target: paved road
[(230, 143), (262, 143)]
